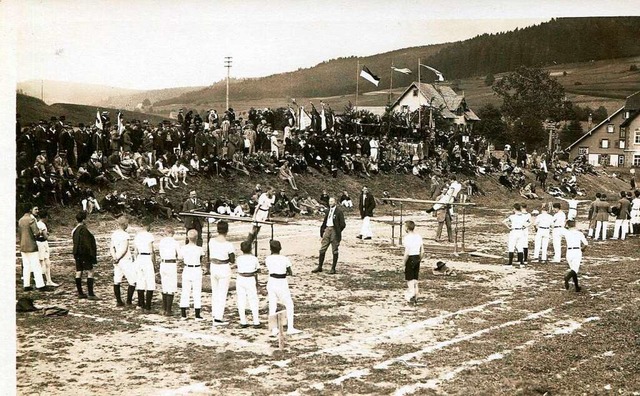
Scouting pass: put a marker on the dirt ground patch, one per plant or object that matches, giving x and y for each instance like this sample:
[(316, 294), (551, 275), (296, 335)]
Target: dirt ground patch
[(490, 329)]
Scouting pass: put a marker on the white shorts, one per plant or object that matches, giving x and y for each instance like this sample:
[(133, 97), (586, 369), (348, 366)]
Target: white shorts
[(169, 277), (261, 215), (43, 250), (279, 288), (146, 279), (125, 269), (574, 258)]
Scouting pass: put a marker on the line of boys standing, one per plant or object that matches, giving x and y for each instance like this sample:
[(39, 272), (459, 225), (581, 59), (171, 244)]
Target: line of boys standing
[(140, 274)]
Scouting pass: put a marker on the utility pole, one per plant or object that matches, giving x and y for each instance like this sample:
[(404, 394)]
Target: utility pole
[(227, 64)]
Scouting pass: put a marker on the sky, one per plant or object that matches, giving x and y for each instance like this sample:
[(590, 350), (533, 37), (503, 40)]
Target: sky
[(146, 44)]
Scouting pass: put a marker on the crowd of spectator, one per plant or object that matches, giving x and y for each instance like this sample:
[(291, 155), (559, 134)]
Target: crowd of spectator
[(53, 157)]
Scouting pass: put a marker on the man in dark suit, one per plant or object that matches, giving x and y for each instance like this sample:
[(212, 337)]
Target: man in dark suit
[(331, 233), (193, 222), (85, 254), (366, 204)]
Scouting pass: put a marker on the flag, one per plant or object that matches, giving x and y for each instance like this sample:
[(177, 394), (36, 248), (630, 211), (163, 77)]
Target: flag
[(305, 120), (404, 70), (120, 123), (367, 75), (98, 120), (323, 120), (440, 76)]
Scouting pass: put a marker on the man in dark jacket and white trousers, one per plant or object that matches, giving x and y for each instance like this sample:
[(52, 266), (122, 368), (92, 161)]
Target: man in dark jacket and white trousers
[(366, 204), (331, 233)]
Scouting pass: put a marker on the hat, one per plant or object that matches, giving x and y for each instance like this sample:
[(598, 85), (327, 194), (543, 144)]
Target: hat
[(440, 265)]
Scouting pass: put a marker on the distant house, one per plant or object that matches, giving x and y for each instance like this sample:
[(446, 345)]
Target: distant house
[(616, 140), (453, 106)]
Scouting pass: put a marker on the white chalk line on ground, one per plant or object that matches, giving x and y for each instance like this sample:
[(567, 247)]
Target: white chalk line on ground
[(434, 383), (180, 332), (394, 333)]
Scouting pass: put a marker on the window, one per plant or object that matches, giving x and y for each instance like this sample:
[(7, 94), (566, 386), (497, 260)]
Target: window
[(626, 115), (637, 138), (623, 132), (610, 128), (583, 150), (415, 92), (604, 159), (604, 143), (621, 144), (621, 160), (636, 160)]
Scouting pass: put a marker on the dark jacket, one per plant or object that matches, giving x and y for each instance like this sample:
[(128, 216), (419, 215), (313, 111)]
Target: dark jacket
[(366, 209), (84, 245), (192, 221), (338, 222)]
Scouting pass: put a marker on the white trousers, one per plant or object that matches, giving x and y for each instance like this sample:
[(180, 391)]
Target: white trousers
[(557, 243), (124, 269), (601, 226), (541, 244), (31, 263), (365, 231), (220, 278), (620, 224), (169, 277), (191, 282), (246, 291), (278, 290)]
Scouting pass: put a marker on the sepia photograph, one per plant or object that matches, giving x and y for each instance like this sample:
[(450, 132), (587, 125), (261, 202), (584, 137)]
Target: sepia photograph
[(242, 197)]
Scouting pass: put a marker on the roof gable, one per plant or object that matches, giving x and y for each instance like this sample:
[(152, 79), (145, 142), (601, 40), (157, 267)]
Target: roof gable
[(595, 128)]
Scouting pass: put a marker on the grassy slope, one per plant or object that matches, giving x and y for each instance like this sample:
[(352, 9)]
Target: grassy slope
[(33, 109)]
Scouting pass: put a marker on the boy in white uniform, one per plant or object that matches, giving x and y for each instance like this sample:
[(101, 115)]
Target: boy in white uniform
[(145, 257), (576, 244), (43, 248), (413, 254), (123, 265), (169, 251), (516, 223), (222, 254), (261, 213), (525, 233), (277, 286), (246, 284), (559, 220), (542, 224), (191, 276)]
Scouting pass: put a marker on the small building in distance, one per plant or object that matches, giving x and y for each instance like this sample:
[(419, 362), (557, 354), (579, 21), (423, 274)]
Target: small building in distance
[(438, 96), (615, 141)]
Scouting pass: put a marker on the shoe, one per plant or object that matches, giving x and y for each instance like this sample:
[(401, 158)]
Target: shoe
[(274, 333), (293, 331), (578, 289), (82, 296), (119, 304), (316, 270), (28, 288), (359, 236), (244, 325), (183, 318), (332, 272), (566, 284), (367, 238), (94, 298), (52, 284), (257, 325), (198, 318), (218, 322)]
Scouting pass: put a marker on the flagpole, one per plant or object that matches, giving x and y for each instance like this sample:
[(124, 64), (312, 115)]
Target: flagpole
[(390, 84), (357, 81), (419, 107)]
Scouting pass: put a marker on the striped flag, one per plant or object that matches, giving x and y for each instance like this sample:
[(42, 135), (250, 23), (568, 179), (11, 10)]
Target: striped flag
[(404, 70), (98, 120), (367, 75), (305, 119), (440, 76), (120, 123)]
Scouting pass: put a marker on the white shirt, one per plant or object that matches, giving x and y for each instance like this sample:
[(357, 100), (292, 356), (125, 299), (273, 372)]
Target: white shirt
[(574, 238), (247, 263), (264, 202), (559, 219), (517, 221), (220, 250), (192, 254), (143, 242), (412, 243), (169, 248), (544, 220), (527, 219), (330, 216), (277, 264), (120, 244)]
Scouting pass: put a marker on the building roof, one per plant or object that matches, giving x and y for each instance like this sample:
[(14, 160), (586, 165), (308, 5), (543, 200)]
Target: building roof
[(632, 102), (590, 132), (440, 96), (632, 115)]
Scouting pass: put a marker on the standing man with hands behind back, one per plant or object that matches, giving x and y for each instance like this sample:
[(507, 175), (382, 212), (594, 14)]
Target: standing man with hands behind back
[(331, 233), (366, 204)]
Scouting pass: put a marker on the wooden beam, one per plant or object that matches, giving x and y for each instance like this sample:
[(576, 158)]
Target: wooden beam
[(411, 200)]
